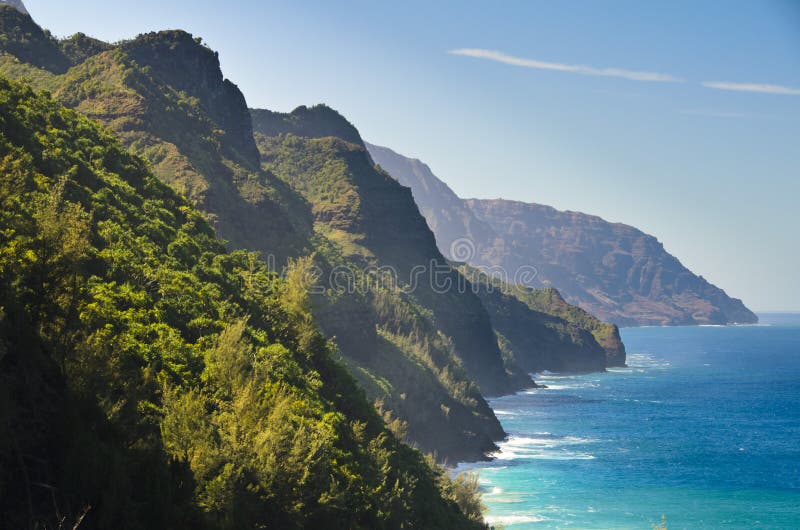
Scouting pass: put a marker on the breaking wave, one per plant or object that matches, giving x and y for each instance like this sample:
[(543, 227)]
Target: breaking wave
[(543, 446)]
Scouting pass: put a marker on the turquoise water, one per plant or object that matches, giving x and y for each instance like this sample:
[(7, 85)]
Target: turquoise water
[(702, 427)]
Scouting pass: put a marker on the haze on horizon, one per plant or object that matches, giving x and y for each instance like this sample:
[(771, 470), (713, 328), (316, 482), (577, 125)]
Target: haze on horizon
[(678, 118)]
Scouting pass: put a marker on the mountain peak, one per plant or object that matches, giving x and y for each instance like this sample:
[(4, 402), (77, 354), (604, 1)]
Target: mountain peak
[(319, 121), (16, 4)]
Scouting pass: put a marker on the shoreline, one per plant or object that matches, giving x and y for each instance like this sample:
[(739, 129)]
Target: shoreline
[(595, 451)]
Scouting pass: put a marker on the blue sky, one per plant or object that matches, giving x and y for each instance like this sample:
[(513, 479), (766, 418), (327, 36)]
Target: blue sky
[(624, 109)]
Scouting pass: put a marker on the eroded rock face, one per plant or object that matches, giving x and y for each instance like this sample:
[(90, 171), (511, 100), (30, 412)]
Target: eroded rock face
[(614, 271)]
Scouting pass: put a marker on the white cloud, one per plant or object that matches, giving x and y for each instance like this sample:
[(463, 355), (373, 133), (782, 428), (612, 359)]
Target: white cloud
[(501, 57), (753, 87)]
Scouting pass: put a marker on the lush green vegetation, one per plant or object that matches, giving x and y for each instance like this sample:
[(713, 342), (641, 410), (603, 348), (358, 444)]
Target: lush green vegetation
[(540, 331), (164, 95), (151, 379), (551, 302)]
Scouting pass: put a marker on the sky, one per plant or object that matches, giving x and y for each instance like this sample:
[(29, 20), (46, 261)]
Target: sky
[(679, 117)]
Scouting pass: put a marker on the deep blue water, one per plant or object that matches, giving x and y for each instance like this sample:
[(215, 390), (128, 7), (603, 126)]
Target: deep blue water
[(703, 427)]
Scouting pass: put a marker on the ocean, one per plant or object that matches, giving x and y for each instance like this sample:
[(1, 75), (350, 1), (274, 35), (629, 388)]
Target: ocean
[(702, 428)]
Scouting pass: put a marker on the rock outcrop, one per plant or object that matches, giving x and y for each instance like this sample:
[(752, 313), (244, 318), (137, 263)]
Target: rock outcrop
[(16, 4)]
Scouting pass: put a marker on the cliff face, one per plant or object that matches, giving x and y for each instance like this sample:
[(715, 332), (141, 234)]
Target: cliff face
[(376, 222), (551, 302), (613, 271), (538, 341), (415, 351), (183, 64)]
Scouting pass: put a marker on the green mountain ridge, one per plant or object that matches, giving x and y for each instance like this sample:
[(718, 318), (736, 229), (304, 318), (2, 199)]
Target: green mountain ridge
[(161, 93), (372, 223), (164, 95), (306, 187), (152, 379)]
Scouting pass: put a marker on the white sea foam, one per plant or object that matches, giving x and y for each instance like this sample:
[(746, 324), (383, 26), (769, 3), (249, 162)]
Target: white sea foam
[(647, 362), (561, 384), (551, 386), (543, 446), (509, 520), (503, 413), (545, 439)]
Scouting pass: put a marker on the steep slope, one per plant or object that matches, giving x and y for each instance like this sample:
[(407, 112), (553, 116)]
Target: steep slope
[(613, 271), (377, 223), (165, 96), (406, 365), (410, 352), (151, 379), (454, 224), (450, 219)]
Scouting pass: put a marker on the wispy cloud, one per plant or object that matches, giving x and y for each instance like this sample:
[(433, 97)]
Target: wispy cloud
[(501, 57), (632, 75), (721, 113), (753, 87)]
